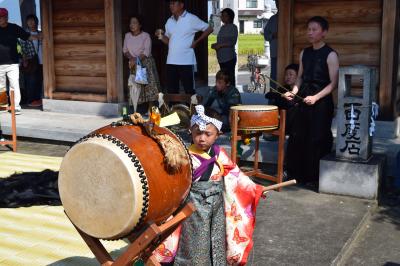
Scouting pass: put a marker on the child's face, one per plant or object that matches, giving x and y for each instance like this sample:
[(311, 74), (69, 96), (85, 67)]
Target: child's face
[(31, 24), (290, 77), (315, 33), (204, 139), (221, 85)]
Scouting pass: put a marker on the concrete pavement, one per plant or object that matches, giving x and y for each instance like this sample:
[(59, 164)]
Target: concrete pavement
[(294, 227), (301, 227)]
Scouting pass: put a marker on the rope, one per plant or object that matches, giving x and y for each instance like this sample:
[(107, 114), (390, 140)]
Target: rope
[(174, 153)]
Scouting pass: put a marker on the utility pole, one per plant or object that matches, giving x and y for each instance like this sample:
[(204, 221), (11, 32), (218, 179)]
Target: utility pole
[(26, 7)]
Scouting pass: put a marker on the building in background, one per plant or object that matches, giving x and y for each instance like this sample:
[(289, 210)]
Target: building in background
[(249, 11), (252, 15)]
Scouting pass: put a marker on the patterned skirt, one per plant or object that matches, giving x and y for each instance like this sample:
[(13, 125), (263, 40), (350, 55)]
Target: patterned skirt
[(203, 238), (149, 92)]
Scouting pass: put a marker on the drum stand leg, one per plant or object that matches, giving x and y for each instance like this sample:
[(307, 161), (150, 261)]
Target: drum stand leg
[(280, 132), (13, 141), (142, 244)]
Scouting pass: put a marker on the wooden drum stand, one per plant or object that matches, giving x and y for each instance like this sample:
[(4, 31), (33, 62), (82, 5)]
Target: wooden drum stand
[(256, 133), (11, 108), (143, 242)]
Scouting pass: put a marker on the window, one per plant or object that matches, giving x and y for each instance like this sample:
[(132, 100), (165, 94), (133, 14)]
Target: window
[(257, 24), (251, 3)]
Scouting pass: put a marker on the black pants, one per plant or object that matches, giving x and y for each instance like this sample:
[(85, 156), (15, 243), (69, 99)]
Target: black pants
[(230, 68), (34, 85), (183, 73), (310, 139)]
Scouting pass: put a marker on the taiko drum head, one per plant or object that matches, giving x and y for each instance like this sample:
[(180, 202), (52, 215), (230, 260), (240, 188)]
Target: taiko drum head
[(98, 183)]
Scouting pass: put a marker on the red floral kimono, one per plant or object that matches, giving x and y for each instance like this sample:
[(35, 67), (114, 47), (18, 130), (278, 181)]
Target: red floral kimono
[(240, 196)]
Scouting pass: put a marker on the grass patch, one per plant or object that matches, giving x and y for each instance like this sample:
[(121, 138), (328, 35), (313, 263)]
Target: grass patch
[(248, 44)]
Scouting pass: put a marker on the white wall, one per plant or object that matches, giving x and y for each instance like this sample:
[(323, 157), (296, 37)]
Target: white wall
[(242, 5), (248, 28)]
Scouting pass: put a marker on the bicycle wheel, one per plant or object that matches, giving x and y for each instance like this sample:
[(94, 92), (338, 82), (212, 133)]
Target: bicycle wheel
[(252, 86), (261, 84)]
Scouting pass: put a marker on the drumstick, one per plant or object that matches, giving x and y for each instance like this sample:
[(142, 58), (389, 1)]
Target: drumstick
[(282, 87), (276, 186)]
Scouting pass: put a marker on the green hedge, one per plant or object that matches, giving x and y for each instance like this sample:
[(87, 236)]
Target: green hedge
[(248, 44)]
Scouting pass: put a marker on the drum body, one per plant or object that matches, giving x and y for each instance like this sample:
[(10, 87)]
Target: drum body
[(3, 98), (115, 179), (257, 117)]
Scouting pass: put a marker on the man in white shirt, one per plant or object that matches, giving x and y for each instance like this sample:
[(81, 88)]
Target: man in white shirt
[(179, 36)]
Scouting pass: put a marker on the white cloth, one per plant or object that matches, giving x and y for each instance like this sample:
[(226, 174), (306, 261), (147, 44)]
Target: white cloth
[(160, 99), (181, 35), (134, 91), (374, 115), (12, 72), (202, 120), (193, 99)]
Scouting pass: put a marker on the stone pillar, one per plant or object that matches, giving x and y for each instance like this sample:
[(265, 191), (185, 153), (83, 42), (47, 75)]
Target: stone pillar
[(353, 170), (353, 141)]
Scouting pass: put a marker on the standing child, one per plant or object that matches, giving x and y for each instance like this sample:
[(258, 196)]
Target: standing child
[(220, 231), (222, 97)]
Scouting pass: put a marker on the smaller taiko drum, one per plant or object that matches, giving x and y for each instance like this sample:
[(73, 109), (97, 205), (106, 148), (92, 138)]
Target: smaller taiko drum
[(3, 98), (256, 117)]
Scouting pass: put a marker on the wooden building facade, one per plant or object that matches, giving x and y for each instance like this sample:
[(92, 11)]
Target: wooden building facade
[(83, 43), (83, 40), (363, 32)]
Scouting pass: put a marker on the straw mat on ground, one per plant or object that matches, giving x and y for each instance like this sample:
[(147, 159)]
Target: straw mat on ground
[(41, 235)]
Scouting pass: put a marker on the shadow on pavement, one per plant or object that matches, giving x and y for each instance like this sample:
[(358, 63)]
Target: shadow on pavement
[(29, 189)]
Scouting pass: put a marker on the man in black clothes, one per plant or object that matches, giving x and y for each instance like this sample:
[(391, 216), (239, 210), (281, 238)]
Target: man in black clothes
[(311, 137), (9, 34), (9, 67)]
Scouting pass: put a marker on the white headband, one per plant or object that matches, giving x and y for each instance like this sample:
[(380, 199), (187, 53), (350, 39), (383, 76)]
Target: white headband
[(202, 120)]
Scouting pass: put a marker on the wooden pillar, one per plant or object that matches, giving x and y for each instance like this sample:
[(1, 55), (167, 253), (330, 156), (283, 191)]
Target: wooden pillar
[(48, 49), (388, 63), (285, 36), (112, 12)]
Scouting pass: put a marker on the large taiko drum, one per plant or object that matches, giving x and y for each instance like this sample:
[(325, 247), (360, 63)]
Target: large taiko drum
[(115, 179), (257, 117)]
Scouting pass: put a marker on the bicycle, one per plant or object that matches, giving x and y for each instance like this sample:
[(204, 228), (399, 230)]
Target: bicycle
[(257, 79)]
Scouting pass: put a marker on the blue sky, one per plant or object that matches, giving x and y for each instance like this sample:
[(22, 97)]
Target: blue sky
[(14, 15)]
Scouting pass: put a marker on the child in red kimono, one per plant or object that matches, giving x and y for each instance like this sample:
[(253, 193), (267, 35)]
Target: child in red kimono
[(220, 231)]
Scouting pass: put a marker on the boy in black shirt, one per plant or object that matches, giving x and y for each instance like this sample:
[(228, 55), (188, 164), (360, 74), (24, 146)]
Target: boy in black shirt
[(310, 137), (222, 97)]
